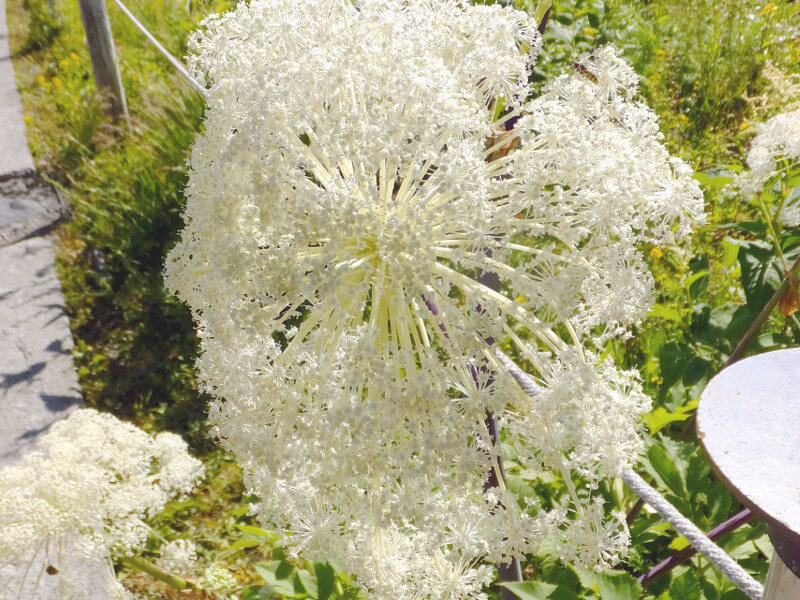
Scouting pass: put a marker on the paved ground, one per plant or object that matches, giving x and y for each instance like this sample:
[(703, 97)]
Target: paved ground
[(14, 154), (38, 384), (37, 379)]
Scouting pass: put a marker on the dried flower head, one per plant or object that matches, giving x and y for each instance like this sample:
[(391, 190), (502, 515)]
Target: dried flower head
[(355, 245)]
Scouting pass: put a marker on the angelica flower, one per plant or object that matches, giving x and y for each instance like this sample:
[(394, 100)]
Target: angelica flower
[(79, 500), (178, 556), (775, 152), (347, 206)]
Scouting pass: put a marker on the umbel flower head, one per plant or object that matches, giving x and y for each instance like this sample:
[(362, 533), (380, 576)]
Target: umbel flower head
[(774, 154), (78, 501), (363, 225)]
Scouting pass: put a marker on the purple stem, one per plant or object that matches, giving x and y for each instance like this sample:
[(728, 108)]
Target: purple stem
[(513, 570), (668, 564)]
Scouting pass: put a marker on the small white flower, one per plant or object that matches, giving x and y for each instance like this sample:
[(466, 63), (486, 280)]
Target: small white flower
[(774, 152), (217, 578), (178, 556)]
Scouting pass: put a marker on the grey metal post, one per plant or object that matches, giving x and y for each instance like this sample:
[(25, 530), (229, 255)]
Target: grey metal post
[(104, 57)]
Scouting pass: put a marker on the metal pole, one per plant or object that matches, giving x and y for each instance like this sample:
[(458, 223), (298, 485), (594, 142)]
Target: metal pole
[(104, 57)]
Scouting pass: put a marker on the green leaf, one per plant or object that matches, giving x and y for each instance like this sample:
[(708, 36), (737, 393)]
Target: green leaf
[(326, 580), (673, 358), (730, 253), (308, 582), (696, 369), (749, 227), (685, 587), (244, 543), (711, 181), (665, 312), (661, 417), (665, 469), (258, 592), (276, 574), (697, 284), (529, 590), (679, 543), (761, 274), (611, 586), (256, 531)]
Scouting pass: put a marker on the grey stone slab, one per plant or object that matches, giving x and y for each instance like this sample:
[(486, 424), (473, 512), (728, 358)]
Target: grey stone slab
[(28, 206), (15, 157), (38, 384)]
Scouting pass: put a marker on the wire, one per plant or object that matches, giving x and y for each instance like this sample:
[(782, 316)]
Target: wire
[(175, 62)]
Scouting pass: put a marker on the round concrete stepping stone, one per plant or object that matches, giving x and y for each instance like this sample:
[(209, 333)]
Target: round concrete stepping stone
[(748, 423)]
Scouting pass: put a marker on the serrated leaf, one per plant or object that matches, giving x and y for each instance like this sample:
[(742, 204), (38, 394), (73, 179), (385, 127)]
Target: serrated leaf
[(661, 417), (685, 587), (611, 586)]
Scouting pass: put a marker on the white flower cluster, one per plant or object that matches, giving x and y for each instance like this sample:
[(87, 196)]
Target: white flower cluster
[(774, 151), (361, 228), (80, 499), (178, 556)]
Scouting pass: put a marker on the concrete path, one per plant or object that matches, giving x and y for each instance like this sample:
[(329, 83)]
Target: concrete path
[(37, 379), (38, 384)]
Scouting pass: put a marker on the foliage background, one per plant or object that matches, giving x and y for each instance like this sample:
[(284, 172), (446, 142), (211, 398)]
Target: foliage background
[(711, 70)]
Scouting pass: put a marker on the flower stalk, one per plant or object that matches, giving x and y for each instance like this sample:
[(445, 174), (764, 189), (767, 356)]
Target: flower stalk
[(174, 581)]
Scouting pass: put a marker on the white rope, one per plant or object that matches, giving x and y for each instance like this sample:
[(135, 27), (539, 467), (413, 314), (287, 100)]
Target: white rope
[(525, 381), (175, 62), (697, 538), (716, 555)]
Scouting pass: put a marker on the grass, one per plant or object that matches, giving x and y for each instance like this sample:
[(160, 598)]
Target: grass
[(134, 344)]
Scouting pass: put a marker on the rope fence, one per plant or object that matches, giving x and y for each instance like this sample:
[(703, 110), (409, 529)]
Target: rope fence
[(104, 62), (151, 38)]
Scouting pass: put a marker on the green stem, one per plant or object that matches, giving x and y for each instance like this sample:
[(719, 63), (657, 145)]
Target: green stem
[(775, 238), (156, 572)]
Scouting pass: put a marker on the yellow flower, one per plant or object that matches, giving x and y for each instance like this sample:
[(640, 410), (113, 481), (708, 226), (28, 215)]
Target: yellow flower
[(589, 31), (63, 64), (656, 379), (57, 82), (769, 10), (41, 80), (655, 253), (27, 118), (74, 56), (521, 299)]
